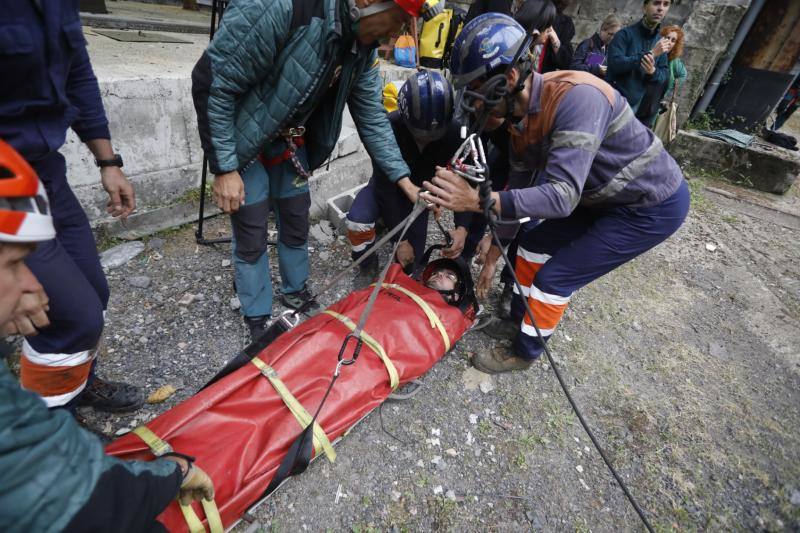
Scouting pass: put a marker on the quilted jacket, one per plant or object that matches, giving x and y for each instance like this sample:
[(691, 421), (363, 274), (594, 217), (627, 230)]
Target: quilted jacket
[(270, 66)]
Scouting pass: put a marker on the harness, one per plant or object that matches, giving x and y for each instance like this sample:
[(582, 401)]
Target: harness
[(294, 139)]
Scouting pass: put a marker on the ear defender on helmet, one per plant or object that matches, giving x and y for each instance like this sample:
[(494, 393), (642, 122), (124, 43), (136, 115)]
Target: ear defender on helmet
[(425, 103), (24, 210)]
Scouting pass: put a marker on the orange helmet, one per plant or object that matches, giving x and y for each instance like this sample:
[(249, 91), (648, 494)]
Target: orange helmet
[(24, 210), (427, 9)]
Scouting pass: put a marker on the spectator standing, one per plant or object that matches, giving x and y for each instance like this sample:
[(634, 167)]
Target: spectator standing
[(590, 56), (551, 49), (637, 57)]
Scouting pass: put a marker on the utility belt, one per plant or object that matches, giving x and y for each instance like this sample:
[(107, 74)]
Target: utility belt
[(294, 139)]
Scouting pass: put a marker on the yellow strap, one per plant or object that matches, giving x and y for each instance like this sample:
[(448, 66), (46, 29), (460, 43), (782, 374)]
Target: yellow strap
[(432, 316), (157, 446), (394, 377), (296, 408), (212, 515)]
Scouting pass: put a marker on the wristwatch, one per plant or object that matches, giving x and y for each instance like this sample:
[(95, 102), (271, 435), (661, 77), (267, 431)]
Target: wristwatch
[(116, 161)]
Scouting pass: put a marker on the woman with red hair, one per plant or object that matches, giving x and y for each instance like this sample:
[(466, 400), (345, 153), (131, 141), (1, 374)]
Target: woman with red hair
[(677, 70)]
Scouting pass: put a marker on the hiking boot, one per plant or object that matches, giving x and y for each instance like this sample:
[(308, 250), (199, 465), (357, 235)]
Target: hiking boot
[(111, 396), (504, 301), (502, 330), (498, 360), (296, 300), (257, 325)]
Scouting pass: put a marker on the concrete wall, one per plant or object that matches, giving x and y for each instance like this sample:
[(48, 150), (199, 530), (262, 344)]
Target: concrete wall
[(154, 126)]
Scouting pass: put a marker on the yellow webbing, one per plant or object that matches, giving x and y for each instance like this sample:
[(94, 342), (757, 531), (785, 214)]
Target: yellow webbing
[(296, 408), (159, 447), (394, 377), (212, 515), (432, 316)]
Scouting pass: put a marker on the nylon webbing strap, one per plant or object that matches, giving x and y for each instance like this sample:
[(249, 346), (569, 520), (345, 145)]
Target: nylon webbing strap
[(394, 377), (159, 447), (429, 312), (296, 408), (212, 515)]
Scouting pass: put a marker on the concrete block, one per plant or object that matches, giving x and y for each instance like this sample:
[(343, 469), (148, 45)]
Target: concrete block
[(349, 141), (344, 174), (339, 205), (760, 166)]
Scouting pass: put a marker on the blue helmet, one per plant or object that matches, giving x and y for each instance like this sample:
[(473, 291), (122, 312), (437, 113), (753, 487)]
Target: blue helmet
[(425, 103), (487, 42)]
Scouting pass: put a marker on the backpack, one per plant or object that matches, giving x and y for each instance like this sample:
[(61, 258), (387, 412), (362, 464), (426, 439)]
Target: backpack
[(405, 51), (437, 36)]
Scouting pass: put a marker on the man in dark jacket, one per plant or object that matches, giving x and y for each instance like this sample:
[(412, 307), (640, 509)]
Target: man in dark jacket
[(637, 56), (48, 87), (269, 92)]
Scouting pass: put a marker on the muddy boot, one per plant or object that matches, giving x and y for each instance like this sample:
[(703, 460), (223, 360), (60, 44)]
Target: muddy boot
[(257, 325), (111, 396), (498, 360), (502, 330), (504, 301)]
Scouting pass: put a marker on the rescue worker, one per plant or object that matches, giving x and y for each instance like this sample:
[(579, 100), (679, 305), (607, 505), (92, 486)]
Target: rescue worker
[(54, 475), (269, 92), (604, 185), (50, 87), (424, 129)]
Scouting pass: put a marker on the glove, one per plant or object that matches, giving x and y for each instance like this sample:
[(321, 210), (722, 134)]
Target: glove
[(196, 486)]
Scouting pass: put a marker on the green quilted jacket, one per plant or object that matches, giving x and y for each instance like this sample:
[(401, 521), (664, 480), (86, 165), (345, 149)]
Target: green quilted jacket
[(269, 67)]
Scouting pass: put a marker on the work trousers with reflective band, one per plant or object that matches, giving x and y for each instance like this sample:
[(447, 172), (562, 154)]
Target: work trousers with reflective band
[(278, 187), (559, 256), (57, 363), (381, 198)]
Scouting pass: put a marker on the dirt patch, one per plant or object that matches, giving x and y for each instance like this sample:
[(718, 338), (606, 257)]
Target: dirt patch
[(686, 362)]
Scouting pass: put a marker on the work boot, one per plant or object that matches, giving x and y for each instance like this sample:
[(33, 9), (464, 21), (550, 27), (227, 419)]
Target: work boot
[(296, 300), (257, 326), (504, 301), (502, 330), (498, 360), (111, 396)]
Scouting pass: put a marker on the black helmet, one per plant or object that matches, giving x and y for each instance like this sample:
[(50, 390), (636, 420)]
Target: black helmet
[(463, 294)]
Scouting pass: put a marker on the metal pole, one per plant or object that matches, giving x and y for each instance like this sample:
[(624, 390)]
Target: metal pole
[(733, 48)]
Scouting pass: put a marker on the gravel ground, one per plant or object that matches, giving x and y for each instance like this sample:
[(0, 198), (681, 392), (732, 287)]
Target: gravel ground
[(686, 362)]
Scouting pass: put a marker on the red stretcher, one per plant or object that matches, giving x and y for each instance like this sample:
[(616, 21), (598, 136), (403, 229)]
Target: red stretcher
[(240, 427)]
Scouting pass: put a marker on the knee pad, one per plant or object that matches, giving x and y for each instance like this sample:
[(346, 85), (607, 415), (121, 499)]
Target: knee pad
[(250, 230), (293, 213)]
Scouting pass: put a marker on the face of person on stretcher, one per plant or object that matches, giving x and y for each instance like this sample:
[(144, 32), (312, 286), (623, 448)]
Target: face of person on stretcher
[(443, 279)]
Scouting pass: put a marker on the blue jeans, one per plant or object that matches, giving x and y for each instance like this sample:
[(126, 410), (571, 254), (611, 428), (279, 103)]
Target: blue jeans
[(280, 188)]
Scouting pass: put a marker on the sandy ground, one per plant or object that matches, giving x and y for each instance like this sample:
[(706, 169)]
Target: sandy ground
[(685, 361)]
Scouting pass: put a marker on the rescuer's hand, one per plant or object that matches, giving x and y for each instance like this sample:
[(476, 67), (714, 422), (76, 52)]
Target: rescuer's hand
[(483, 249), (228, 191), (450, 191), (459, 236), (121, 196), (196, 486), (486, 277)]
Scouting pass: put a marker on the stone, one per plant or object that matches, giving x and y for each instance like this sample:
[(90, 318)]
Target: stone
[(140, 282), (486, 386), (119, 255), (156, 243), (323, 232), (473, 419), (324, 256), (794, 499), (186, 299), (472, 378), (234, 303), (438, 489), (396, 496), (450, 495), (451, 452), (226, 263)]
